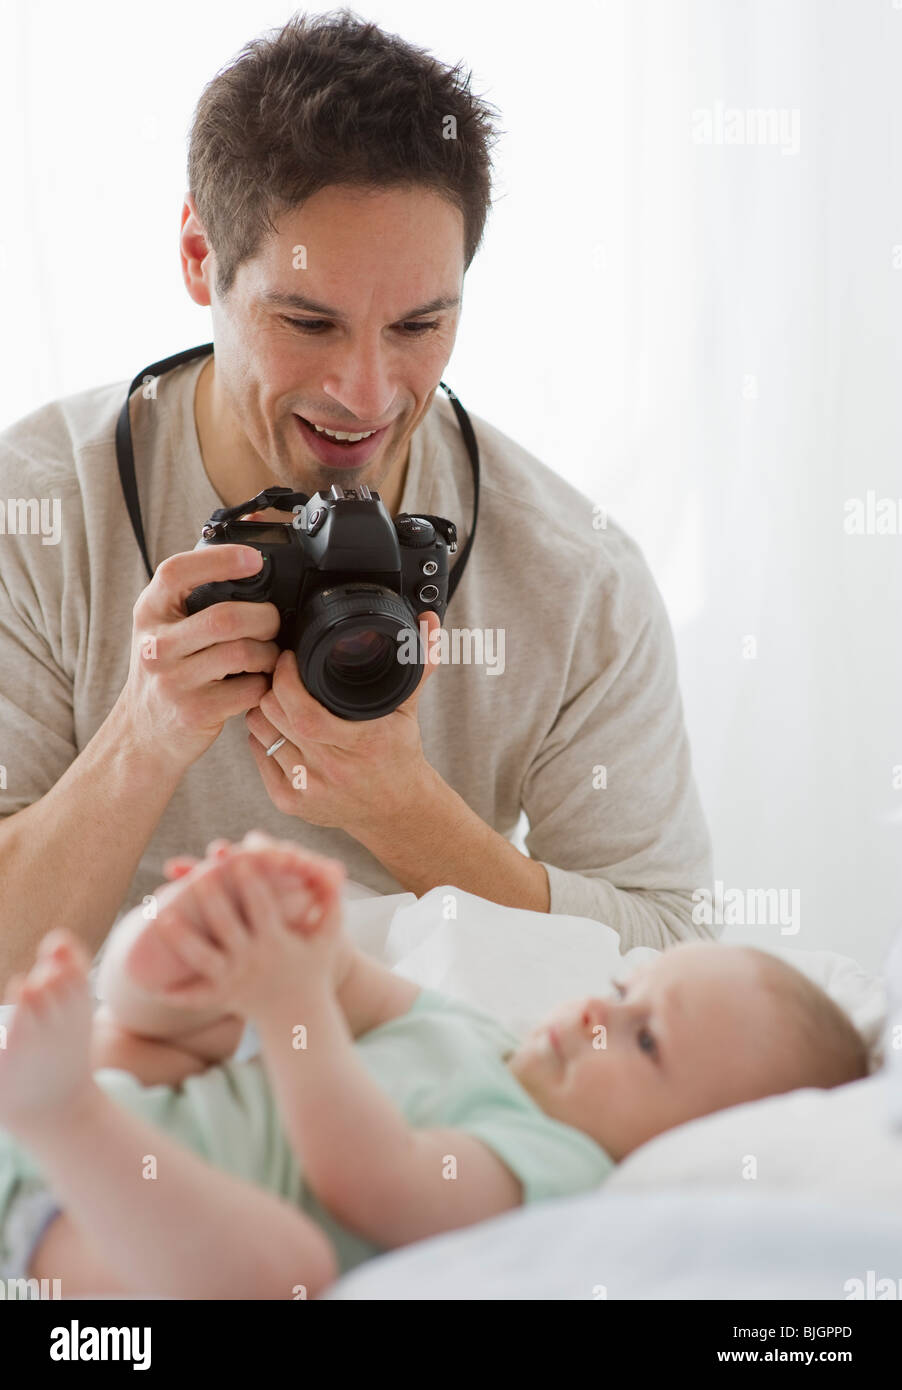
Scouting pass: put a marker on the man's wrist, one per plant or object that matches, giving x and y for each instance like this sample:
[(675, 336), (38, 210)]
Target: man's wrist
[(150, 760), (440, 839), (426, 792)]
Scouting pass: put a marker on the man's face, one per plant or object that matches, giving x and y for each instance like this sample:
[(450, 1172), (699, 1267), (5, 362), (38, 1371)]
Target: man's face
[(369, 362)]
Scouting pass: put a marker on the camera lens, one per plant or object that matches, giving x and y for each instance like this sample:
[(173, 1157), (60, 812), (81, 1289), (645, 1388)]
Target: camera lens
[(350, 652), (361, 656)]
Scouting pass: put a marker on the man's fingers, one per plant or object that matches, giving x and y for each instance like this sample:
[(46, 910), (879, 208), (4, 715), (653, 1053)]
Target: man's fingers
[(177, 575), (432, 623)]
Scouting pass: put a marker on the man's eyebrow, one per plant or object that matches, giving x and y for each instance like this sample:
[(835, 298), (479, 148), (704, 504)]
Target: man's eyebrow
[(280, 299)]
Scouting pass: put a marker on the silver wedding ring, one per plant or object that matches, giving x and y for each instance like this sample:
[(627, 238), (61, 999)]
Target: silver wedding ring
[(278, 744)]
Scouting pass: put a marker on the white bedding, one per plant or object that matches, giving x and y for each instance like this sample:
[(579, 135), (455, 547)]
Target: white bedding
[(788, 1197), (682, 1217), (665, 1244), (519, 964)]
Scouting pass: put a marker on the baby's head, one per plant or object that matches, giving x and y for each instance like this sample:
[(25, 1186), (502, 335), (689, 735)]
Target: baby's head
[(701, 1028)]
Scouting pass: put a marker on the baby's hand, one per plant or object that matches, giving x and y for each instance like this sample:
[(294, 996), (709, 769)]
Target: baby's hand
[(263, 918)]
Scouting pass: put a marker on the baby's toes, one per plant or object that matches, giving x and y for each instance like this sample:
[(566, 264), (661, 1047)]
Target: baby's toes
[(50, 995), (65, 953), (329, 881), (68, 976), (33, 996)]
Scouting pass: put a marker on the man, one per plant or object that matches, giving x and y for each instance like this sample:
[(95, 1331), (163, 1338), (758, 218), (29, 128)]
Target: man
[(338, 189)]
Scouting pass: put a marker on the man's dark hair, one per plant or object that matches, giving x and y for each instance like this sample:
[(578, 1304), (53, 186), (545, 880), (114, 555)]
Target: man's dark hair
[(332, 99)]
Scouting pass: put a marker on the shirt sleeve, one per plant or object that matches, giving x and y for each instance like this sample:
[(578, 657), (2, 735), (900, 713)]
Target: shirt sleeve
[(38, 598), (549, 1159), (613, 811)]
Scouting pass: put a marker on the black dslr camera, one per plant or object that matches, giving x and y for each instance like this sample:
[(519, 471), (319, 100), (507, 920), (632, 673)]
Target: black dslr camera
[(350, 583)]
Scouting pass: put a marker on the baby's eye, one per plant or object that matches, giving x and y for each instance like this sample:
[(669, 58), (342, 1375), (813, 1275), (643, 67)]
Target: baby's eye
[(619, 988)]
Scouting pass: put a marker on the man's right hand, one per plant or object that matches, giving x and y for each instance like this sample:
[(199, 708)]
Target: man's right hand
[(177, 699)]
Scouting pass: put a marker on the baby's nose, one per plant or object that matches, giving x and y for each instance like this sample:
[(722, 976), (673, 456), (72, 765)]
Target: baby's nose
[(595, 1014)]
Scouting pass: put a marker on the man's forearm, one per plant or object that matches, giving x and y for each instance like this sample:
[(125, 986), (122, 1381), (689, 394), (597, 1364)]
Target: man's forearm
[(443, 841), (68, 858)]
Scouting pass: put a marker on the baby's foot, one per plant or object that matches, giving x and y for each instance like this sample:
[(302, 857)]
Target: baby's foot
[(44, 1067), (307, 887), (150, 961)]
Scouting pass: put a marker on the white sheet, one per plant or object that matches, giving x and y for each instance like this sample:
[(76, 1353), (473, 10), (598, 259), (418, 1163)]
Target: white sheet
[(663, 1245)]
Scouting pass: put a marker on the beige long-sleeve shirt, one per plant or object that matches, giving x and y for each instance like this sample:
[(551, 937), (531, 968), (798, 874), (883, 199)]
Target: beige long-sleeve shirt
[(582, 729)]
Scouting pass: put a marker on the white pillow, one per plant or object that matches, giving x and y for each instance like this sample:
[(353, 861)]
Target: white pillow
[(837, 1144)]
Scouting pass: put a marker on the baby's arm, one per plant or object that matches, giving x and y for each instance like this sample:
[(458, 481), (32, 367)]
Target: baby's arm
[(391, 1183)]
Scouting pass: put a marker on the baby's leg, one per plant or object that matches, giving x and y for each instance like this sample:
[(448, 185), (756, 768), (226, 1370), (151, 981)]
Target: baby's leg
[(188, 1232), (158, 1062), (144, 958), (139, 961)]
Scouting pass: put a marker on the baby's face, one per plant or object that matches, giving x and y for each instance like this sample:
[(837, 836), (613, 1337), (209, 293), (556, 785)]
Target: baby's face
[(682, 1037)]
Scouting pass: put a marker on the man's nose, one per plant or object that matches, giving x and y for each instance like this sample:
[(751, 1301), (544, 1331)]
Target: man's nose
[(359, 380)]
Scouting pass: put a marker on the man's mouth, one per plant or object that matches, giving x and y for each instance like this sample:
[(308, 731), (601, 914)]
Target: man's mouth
[(350, 452)]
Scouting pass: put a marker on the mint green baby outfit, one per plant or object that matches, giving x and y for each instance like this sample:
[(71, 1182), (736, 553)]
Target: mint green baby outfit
[(442, 1062)]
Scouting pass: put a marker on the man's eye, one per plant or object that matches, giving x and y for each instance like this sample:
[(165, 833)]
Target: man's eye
[(414, 329), (646, 1042), (306, 325)]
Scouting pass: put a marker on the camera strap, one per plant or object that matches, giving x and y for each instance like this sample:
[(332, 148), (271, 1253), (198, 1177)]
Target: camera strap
[(125, 460)]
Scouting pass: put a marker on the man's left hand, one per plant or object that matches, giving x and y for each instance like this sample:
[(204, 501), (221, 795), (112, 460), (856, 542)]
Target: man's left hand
[(352, 774)]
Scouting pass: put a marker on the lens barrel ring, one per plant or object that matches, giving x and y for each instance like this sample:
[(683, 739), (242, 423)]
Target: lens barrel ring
[(333, 615)]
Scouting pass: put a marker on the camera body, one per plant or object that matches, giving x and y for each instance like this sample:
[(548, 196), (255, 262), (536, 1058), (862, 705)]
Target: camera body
[(349, 581)]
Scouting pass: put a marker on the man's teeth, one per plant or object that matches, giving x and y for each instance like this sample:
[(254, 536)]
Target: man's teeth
[(337, 434)]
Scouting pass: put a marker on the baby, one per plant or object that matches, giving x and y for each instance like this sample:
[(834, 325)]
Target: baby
[(378, 1114)]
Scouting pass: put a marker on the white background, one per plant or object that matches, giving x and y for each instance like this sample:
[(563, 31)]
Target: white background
[(704, 338)]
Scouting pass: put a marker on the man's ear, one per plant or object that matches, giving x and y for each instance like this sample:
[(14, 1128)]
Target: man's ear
[(196, 254)]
